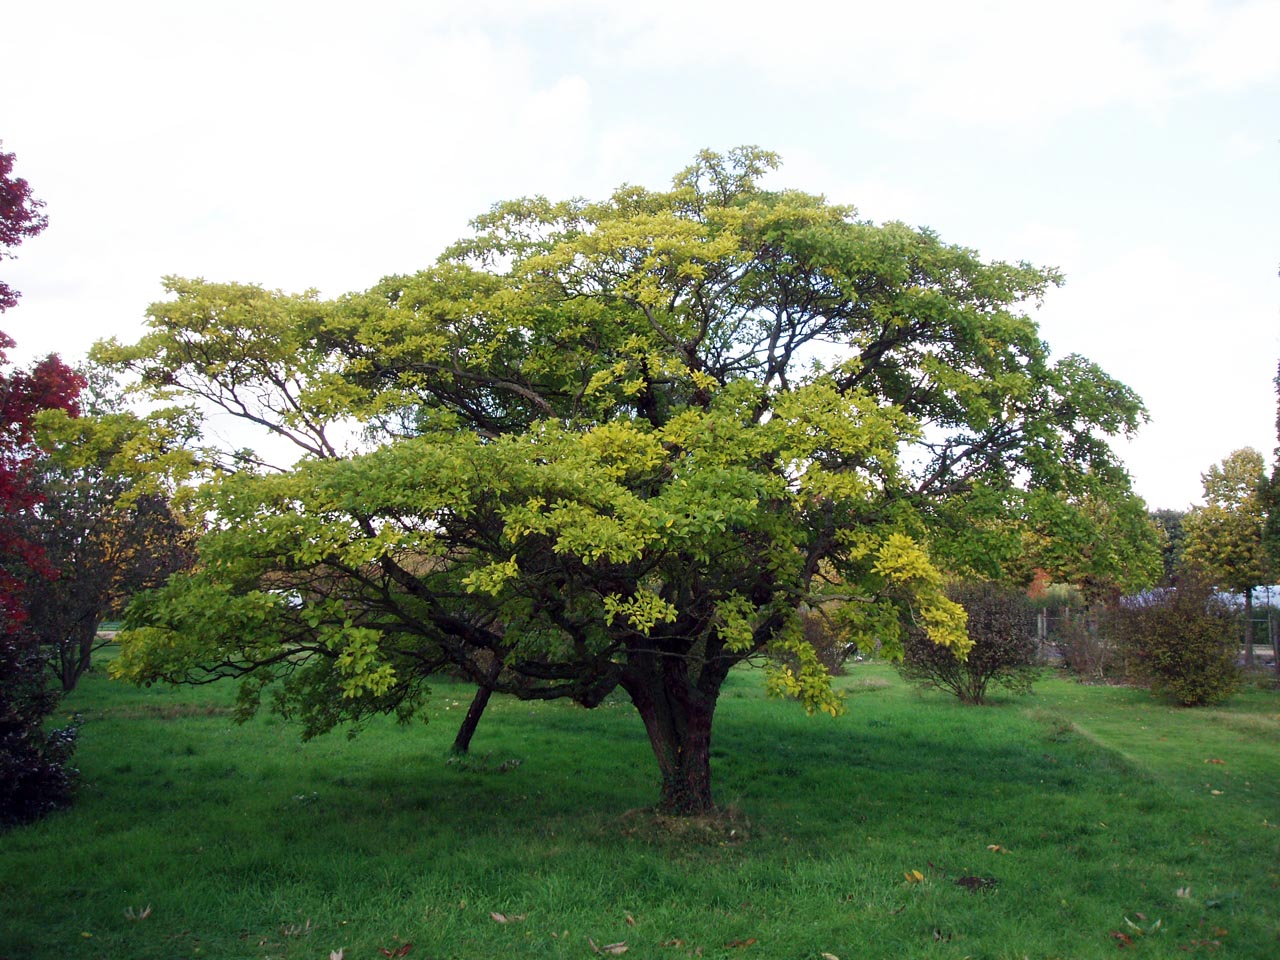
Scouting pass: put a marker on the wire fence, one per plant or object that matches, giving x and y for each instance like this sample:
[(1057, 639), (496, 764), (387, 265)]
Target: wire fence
[(1076, 634)]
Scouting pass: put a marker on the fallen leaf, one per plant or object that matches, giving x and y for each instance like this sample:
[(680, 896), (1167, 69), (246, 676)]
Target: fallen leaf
[(1183, 893), (338, 954), (741, 943), (914, 876), (674, 942), (612, 949), (829, 956), (996, 848), (1215, 761), (1122, 938)]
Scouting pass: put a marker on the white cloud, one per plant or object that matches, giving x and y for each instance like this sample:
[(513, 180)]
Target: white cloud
[(291, 152), (1235, 44), (1200, 351)]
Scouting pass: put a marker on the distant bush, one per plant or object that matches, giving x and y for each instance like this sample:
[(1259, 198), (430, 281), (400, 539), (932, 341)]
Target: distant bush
[(1184, 641), (830, 644), (1085, 640), (35, 777), (1003, 652)]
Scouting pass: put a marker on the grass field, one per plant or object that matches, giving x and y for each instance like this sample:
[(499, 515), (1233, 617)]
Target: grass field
[(1073, 823)]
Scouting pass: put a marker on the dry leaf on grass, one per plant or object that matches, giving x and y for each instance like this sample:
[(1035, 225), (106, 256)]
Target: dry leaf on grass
[(609, 949)]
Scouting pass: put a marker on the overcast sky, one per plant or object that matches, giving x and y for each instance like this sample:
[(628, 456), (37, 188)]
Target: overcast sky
[(1135, 144)]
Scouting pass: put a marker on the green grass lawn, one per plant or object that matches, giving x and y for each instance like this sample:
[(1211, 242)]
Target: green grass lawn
[(1072, 823)]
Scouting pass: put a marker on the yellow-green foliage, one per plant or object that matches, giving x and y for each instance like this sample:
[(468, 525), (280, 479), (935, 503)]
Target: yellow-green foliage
[(592, 443)]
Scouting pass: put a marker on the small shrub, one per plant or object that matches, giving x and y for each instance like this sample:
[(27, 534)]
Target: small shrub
[(1184, 641), (831, 644), (35, 777), (1003, 652), (1085, 640)]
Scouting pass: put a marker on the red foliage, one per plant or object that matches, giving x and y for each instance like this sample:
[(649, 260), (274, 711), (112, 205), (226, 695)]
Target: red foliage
[(1039, 586), (20, 217), (50, 384)]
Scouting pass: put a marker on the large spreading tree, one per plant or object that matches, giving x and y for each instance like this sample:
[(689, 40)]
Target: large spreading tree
[(617, 445)]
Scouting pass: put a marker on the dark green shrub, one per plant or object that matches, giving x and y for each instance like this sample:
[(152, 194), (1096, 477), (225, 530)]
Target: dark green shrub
[(1184, 641), (1001, 625), (35, 777)]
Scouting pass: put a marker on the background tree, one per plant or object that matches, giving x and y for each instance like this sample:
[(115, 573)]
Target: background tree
[(1000, 626), (20, 218), (102, 523), (1100, 540), (1173, 535), (1225, 537), (615, 445)]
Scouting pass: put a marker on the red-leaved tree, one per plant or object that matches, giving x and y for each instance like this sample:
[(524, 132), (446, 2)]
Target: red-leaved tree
[(20, 218), (34, 777)]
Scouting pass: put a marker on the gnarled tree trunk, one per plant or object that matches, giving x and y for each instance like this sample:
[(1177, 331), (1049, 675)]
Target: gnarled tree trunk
[(677, 712)]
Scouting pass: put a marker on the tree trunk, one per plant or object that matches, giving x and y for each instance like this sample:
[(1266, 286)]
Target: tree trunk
[(1248, 627), (75, 653), (677, 716), (462, 742)]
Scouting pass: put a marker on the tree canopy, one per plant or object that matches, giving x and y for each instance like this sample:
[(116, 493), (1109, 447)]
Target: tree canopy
[(1226, 537), (20, 219), (619, 444)]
